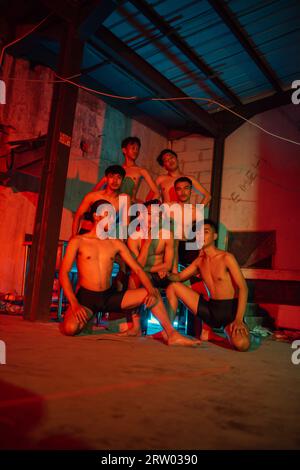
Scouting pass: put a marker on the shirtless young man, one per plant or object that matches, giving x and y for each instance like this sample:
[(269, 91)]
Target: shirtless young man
[(183, 189), (154, 256), (134, 174), (95, 258), (169, 161), (114, 176), (226, 285)]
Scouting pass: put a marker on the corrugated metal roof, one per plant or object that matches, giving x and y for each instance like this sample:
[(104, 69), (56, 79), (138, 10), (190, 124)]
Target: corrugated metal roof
[(273, 27), (232, 69)]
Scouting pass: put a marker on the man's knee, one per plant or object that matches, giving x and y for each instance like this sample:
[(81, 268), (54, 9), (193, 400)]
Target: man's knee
[(69, 328), (172, 287), (242, 344)]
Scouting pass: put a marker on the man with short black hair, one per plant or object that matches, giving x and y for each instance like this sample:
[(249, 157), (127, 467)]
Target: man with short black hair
[(114, 176), (168, 159), (133, 173), (226, 285), (155, 256)]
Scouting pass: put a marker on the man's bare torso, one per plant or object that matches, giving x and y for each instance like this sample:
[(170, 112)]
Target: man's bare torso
[(166, 183), (114, 200), (216, 275), (131, 181), (156, 250), (95, 260)]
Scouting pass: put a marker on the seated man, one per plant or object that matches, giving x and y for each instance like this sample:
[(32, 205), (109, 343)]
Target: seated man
[(114, 175), (95, 258), (226, 285), (183, 190), (154, 256), (134, 174)]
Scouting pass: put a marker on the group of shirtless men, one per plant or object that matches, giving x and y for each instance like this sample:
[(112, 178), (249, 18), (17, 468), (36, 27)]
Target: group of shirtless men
[(151, 264)]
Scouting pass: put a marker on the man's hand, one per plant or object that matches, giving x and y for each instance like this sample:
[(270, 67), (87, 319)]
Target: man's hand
[(238, 328), (162, 274), (152, 298), (173, 277), (80, 313)]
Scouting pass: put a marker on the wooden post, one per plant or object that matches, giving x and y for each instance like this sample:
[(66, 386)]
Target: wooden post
[(40, 279), (216, 182)]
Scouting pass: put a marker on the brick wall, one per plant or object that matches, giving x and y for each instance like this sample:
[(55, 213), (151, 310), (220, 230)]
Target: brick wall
[(152, 144), (195, 154)]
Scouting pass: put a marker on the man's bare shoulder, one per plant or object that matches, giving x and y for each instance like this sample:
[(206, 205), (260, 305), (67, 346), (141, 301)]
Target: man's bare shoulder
[(85, 237), (161, 178), (143, 171), (93, 196), (76, 238), (117, 244), (229, 256), (222, 256), (75, 241), (134, 170), (199, 258)]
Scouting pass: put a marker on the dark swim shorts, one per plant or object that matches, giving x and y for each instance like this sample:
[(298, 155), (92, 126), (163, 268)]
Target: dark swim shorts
[(217, 313), (105, 301), (158, 282), (83, 231)]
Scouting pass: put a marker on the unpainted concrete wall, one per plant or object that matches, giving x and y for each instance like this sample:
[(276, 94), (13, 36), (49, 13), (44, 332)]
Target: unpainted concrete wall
[(260, 185)]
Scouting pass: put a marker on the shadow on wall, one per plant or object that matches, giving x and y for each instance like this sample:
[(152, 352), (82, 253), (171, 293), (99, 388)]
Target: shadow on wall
[(116, 127), (75, 191)]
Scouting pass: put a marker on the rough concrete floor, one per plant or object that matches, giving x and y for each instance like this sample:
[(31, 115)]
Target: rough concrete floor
[(97, 392)]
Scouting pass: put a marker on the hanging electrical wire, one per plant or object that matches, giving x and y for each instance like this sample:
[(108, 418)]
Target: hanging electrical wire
[(133, 98)]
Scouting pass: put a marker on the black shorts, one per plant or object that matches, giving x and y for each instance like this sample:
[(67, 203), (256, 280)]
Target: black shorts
[(217, 313), (158, 282), (106, 301), (83, 231)]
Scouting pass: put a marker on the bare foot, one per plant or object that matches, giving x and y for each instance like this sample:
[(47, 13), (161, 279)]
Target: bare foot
[(130, 332), (176, 339), (205, 335), (160, 336)]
